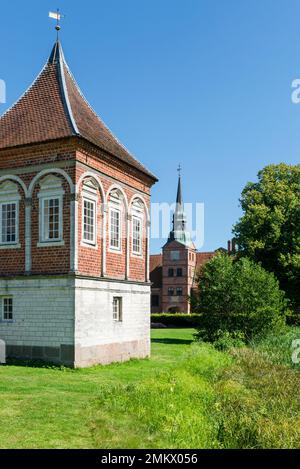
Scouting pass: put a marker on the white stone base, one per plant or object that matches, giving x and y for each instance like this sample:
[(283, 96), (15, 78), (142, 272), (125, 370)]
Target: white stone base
[(70, 320)]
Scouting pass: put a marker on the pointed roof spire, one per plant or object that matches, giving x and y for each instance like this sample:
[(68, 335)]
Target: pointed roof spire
[(179, 192), (52, 108), (179, 232)]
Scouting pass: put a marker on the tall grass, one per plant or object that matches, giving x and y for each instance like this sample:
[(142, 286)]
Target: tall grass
[(258, 395), (171, 409), (278, 347)]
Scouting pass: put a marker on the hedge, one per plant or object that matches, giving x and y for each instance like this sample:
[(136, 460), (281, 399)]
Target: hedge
[(176, 319)]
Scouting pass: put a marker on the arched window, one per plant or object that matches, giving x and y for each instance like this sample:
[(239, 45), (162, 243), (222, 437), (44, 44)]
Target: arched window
[(137, 227), (51, 210), (89, 212), (9, 213), (115, 221)]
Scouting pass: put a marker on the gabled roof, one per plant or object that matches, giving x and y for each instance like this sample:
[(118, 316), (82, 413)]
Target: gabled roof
[(54, 107)]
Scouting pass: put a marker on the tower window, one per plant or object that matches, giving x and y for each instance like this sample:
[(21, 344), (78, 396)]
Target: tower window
[(171, 291), (179, 272), (175, 255), (171, 272), (179, 291)]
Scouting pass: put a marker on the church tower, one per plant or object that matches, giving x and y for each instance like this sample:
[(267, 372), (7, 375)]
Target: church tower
[(179, 261)]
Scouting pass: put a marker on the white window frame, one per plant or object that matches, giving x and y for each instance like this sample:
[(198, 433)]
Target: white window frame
[(141, 220), (118, 315), (3, 298), (43, 238), (9, 194), (10, 202), (50, 188), (92, 201), (118, 248)]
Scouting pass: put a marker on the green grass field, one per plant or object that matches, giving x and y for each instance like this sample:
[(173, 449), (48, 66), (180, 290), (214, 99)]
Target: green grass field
[(186, 396)]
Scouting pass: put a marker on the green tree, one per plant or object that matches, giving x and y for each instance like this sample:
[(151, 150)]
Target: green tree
[(238, 296), (269, 230)]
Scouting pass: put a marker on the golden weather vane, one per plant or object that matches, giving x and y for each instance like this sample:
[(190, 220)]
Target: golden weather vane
[(56, 16)]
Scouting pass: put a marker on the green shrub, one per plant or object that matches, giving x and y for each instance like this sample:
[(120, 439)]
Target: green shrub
[(226, 340), (176, 319), (238, 296)]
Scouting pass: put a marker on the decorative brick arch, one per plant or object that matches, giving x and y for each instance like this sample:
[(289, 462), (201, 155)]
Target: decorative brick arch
[(90, 174), (50, 171), (119, 188), (10, 177), (139, 197)]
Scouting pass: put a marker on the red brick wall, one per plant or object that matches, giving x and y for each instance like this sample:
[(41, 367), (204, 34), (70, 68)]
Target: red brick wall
[(75, 157)]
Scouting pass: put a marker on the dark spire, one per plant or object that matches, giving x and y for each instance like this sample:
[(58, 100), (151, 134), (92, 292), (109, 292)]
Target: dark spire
[(179, 232), (179, 192)]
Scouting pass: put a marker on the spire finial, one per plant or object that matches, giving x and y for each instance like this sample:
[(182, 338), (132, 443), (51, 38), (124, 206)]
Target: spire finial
[(56, 16), (179, 169)]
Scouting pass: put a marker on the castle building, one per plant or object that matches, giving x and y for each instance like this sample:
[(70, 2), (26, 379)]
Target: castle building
[(74, 230), (173, 273)]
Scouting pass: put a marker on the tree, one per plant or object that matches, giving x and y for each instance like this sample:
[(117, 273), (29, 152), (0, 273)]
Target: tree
[(238, 296), (269, 230)]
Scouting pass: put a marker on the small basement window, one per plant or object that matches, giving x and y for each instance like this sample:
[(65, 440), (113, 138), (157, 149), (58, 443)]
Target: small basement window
[(117, 309), (7, 309)]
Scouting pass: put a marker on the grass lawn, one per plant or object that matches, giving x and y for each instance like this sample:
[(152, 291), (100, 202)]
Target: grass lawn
[(121, 405), (185, 396)]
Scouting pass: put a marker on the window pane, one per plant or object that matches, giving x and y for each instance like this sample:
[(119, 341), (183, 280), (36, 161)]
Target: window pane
[(51, 219), (175, 255), (8, 223), (136, 235), (115, 229), (117, 309), (7, 309), (89, 221)]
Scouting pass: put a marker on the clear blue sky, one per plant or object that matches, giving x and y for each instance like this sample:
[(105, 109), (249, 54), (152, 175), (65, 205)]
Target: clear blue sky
[(205, 83)]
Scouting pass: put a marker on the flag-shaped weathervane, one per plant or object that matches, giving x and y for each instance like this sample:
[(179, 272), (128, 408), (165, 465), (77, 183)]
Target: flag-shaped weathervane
[(56, 16)]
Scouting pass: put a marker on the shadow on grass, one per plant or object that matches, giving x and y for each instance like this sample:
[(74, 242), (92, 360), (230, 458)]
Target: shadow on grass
[(34, 364), (173, 341)]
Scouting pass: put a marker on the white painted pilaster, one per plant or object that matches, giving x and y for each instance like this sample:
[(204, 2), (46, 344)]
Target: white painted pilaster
[(128, 226), (148, 225), (28, 210), (104, 231), (74, 232)]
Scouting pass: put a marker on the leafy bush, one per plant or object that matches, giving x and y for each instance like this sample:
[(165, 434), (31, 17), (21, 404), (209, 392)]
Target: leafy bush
[(176, 319), (238, 296), (226, 340)]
